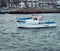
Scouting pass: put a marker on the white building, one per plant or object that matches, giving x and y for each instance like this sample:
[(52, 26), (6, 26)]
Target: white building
[(58, 4), (22, 5)]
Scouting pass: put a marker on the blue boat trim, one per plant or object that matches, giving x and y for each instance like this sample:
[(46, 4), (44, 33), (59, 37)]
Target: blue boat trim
[(49, 22), (24, 18)]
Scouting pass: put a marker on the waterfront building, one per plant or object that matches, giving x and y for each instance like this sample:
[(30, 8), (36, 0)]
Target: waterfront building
[(58, 4), (40, 3), (22, 5), (0, 4), (30, 3)]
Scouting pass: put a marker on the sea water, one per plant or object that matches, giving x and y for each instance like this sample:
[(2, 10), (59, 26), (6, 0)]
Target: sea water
[(14, 39)]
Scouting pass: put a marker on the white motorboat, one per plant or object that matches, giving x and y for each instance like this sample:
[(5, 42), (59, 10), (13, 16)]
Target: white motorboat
[(30, 23)]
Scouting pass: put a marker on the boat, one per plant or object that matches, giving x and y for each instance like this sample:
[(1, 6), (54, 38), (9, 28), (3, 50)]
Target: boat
[(30, 23)]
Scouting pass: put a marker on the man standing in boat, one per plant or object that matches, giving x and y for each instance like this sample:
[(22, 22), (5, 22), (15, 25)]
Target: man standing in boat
[(37, 17)]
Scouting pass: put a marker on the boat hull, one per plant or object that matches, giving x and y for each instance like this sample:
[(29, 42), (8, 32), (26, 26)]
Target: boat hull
[(35, 25), (30, 23)]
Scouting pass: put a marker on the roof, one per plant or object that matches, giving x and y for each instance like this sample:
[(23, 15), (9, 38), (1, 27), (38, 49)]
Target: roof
[(58, 2)]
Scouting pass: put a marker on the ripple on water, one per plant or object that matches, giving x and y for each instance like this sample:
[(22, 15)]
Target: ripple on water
[(14, 39)]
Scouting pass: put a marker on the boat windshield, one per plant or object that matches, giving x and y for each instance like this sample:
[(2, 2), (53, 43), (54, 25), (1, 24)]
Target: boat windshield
[(37, 17)]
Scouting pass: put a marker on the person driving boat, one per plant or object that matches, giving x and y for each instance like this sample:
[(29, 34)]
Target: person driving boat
[(37, 17)]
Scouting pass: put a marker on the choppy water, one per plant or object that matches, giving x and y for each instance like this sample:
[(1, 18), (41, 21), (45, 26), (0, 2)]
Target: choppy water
[(14, 39)]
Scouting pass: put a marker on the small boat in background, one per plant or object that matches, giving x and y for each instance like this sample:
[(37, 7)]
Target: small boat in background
[(34, 23)]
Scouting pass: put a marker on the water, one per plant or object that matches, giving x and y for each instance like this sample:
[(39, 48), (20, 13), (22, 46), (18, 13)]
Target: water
[(14, 39)]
